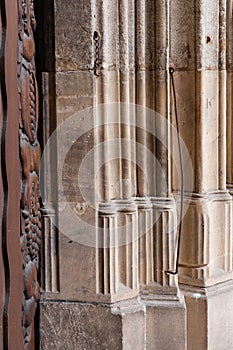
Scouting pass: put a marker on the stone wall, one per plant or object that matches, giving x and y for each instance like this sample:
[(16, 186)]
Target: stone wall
[(112, 189)]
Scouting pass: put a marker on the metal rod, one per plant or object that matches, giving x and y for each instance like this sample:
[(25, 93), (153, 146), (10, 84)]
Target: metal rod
[(171, 71)]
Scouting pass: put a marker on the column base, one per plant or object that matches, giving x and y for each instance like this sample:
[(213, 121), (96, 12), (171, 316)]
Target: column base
[(209, 316), (206, 244), (165, 322), (71, 325)]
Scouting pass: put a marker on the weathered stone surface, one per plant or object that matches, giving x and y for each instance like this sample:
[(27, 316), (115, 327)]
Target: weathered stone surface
[(66, 325), (182, 40), (72, 95), (108, 52), (73, 35), (78, 326)]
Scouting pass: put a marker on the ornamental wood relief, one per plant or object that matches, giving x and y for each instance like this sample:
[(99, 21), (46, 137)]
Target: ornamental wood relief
[(30, 162)]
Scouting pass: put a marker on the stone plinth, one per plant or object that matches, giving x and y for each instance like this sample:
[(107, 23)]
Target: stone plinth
[(66, 325), (209, 316)]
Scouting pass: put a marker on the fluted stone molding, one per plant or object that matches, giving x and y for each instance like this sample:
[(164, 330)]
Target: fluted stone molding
[(117, 52), (120, 51), (49, 258), (157, 246), (134, 70), (49, 253), (117, 268)]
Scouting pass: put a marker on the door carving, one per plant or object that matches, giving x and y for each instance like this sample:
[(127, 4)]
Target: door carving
[(30, 161)]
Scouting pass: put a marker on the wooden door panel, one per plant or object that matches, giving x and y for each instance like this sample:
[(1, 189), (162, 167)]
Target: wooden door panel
[(20, 229)]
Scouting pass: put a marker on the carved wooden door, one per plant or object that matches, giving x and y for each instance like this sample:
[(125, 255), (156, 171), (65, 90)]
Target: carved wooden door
[(20, 229)]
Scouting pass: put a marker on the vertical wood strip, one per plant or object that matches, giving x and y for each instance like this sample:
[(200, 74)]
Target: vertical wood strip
[(12, 337), (4, 197)]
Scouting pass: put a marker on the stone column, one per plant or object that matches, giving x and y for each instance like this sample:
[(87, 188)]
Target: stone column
[(161, 294), (229, 95), (100, 276), (110, 56), (113, 57), (198, 51)]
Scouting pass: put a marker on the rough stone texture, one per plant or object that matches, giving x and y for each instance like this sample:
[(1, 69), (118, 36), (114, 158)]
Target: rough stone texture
[(75, 326), (73, 35), (182, 40), (70, 326)]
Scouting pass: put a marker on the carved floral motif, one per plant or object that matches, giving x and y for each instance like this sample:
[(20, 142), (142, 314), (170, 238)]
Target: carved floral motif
[(30, 161)]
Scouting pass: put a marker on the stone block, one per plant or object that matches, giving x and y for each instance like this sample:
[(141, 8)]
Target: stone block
[(209, 316), (67, 325), (182, 41), (166, 324), (73, 35), (72, 95)]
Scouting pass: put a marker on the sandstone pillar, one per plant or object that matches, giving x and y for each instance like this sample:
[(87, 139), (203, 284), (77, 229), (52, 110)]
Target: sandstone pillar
[(110, 53), (105, 87), (199, 53)]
